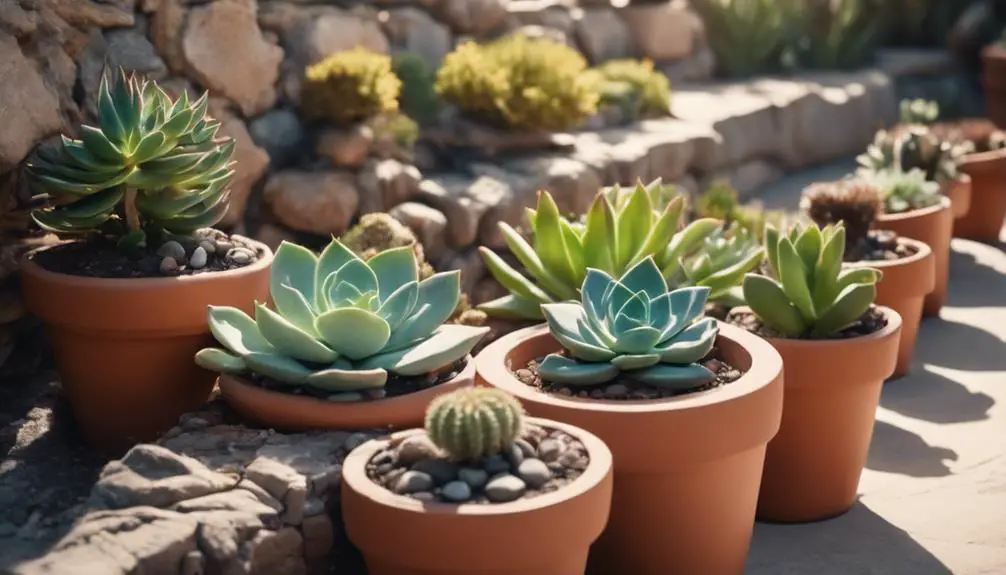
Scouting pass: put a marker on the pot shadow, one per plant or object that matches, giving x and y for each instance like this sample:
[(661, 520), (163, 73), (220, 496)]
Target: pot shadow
[(859, 541), (930, 396), (897, 450), (977, 274), (960, 346)]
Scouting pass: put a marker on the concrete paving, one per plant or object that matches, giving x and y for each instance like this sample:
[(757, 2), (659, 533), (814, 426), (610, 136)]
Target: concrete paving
[(933, 496)]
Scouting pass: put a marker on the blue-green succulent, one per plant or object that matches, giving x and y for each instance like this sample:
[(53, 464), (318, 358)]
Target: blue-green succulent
[(343, 324), (632, 327)]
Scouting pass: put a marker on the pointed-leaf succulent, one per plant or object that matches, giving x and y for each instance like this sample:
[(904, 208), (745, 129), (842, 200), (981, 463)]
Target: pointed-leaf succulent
[(808, 294), (632, 327), (904, 191), (720, 262), (343, 324), (914, 147)]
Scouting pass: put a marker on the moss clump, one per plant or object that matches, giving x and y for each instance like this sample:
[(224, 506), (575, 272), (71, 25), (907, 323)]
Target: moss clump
[(634, 87), (349, 87), (377, 232), (519, 83), (418, 98)]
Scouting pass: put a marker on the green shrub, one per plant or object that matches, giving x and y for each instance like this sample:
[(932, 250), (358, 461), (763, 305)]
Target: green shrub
[(838, 34), (748, 36), (635, 87), (349, 87), (520, 83), (418, 98)]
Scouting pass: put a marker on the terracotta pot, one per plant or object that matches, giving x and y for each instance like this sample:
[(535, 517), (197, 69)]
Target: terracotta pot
[(984, 220), (959, 192), (994, 82), (687, 468), (546, 535), (297, 412), (813, 465), (904, 287), (124, 347), (933, 227)]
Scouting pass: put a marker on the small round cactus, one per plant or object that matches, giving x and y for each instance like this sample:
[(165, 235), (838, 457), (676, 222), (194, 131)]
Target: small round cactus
[(474, 422)]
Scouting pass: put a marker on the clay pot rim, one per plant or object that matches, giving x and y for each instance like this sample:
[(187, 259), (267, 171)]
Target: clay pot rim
[(893, 324), (922, 251), (766, 365), (945, 204), (982, 160), (354, 476), (994, 52), (70, 281)]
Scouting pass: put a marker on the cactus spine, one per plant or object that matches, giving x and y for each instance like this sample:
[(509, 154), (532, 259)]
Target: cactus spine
[(474, 422)]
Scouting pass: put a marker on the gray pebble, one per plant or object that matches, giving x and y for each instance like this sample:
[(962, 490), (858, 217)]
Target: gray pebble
[(475, 478), (526, 448), (616, 390), (416, 448), (534, 472), (198, 259), (208, 246), (413, 482), (550, 450), (424, 496), (172, 249), (514, 455), (378, 393), (240, 255), (345, 397), (505, 487), (496, 463), (169, 265), (440, 470), (457, 491), (224, 246)]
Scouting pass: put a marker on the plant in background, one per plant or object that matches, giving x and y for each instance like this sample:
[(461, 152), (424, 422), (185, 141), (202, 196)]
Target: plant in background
[(472, 423), (718, 201), (807, 293), (398, 128), (852, 202), (720, 262), (152, 167), (634, 87), (519, 83), (631, 327), (661, 195), (904, 191), (748, 36), (919, 112), (418, 98), (349, 87), (838, 34), (971, 135), (915, 147), (921, 22), (342, 324), (611, 240)]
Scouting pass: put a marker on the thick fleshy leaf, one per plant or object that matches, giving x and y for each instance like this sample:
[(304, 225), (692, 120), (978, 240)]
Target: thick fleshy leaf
[(674, 377), (447, 345), (353, 332), (289, 339), (438, 298), (549, 243), (615, 297), (564, 326), (563, 370), (220, 361), (299, 311), (357, 274), (636, 341), (394, 268), (532, 263), (342, 294), (332, 258), (793, 277), (645, 277), (808, 247), (633, 225), (631, 362), (595, 337), (772, 248), (278, 367), (683, 242), (769, 302), (663, 230), (850, 305), (512, 307), (574, 247), (632, 315), (599, 237), (660, 312), (236, 331), (511, 279), (592, 294), (686, 305), (691, 345), (292, 266), (399, 305), (336, 379)]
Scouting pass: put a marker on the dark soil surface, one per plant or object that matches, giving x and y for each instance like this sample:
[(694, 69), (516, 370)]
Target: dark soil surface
[(878, 246), (625, 388), (871, 322)]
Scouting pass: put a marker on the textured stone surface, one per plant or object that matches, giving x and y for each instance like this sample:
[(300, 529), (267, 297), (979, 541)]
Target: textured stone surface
[(28, 111), (316, 202)]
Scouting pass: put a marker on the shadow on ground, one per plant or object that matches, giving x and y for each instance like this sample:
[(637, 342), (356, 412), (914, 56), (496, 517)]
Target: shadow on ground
[(932, 397), (973, 272), (960, 346), (897, 450), (859, 542)]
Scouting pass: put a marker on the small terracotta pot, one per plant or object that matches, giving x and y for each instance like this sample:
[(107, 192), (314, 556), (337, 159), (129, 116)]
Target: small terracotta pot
[(984, 220), (687, 468), (959, 192), (994, 82), (932, 226), (124, 347), (291, 412), (813, 465), (904, 287), (546, 535)]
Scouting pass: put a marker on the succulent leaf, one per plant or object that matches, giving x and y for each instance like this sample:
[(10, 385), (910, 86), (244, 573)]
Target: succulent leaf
[(220, 361), (445, 346)]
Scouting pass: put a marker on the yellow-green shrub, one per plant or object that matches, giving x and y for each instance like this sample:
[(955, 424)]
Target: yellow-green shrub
[(519, 82), (350, 86), (635, 87)]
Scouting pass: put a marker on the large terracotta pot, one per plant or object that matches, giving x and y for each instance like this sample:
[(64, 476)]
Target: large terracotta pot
[(994, 82), (299, 412), (932, 226), (687, 469), (988, 196), (546, 535), (904, 287), (124, 347), (813, 465), (959, 192)]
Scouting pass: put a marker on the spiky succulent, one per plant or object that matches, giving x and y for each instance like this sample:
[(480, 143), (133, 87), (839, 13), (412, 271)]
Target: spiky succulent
[(914, 147), (474, 422), (905, 191), (343, 324), (808, 294), (720, 262), (631, 327), (611, 239), (853, 202), (919, 111), (152, 164)]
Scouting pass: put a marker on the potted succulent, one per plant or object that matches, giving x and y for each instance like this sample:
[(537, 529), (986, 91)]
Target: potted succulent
[(351, 343), (993, 74), (636, 364), (913, 207), (986, 165), (908, 265), (481, 488), (838, 348), (125, 303)]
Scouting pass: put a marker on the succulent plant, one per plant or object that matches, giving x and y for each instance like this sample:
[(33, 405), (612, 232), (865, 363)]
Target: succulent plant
[(808, 293), (151, 165), (418, 98), (719, 200), (914, 147), (632, 327), (720, 263), (853, 202), (634, 87), (343, 324), (349, 87), (520, 83), (747, 36), (838, 34), (904, 191), (474, 422), (919, 111), (611, 240)]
